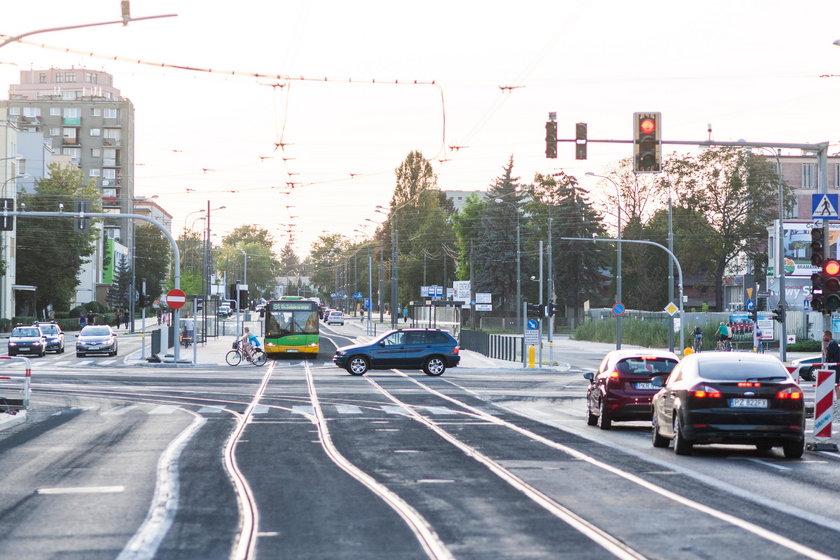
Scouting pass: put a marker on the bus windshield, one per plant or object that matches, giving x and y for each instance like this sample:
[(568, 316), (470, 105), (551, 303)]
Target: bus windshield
[(282, 321)]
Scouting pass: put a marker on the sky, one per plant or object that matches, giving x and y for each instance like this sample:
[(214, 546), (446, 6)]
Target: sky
[(345, 90)]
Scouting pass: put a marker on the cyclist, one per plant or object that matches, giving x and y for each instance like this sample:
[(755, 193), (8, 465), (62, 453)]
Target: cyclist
[(723, 336), (247, 342), (698, 339)]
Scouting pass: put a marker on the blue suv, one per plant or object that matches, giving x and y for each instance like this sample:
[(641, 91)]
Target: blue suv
[(432, 350)]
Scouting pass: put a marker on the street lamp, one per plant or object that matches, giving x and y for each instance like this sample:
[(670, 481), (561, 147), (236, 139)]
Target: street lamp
[(617, 258), (381, 261), (205, 277), (132, 288), (518, 265), (394, 268)]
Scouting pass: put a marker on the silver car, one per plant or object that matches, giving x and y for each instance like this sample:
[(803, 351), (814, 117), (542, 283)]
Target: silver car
[(96, 339)]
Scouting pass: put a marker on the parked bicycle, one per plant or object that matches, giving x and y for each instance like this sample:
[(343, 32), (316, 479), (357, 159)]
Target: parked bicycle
[(724, 345), (235, 356)]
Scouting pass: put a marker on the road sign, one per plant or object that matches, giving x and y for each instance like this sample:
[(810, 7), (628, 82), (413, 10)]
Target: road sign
[(532, 333), (618, 309), (671, 308), (824, 206), (750, 305), (175, 298)]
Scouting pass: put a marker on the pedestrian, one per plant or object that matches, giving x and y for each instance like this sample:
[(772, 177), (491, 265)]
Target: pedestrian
[(117, 318), (405, 314), (159, 315), (91, 317), (82, 320), (126, 317), (832, 354), (758, 344)]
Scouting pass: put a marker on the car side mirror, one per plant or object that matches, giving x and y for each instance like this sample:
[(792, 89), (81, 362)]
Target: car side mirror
[(589, 375)]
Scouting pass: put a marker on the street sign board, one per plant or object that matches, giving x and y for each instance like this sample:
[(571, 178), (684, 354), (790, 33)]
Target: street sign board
[(484, 307), (618, 309), (175, 298), (532, 333), (462, 290), (483, 297), (671, 308), (824, 206)]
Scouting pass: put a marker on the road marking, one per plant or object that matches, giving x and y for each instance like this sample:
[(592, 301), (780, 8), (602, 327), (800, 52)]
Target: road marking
[(164, 409), (211, 409), (306, 410), (261, 409), (82, 490), (767, 464), (439, 410), (395, 410), (348, 409)]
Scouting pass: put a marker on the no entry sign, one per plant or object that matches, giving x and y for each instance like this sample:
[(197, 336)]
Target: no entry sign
[(176, 298)]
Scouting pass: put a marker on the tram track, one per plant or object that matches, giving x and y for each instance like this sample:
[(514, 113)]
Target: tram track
[(613, 545)]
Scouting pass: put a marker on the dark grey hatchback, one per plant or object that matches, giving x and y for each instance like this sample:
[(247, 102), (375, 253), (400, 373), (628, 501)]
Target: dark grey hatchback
[(432, 350)]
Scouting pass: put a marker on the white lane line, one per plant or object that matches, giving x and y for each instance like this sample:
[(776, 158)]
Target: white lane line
[(305, 410), (348, 409), (395, 410), (82, 490), (145, 542), (211, 409), (261, 409), (767, 464), (439, 410), (164, 409)]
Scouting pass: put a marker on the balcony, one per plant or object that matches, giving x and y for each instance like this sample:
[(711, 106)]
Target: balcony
[(75, 121)]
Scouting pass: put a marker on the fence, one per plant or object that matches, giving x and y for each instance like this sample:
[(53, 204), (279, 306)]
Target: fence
[(498, 346)]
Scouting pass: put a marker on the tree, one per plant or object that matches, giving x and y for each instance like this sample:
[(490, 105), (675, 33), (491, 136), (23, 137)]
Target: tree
[(263, 267), (578, 267), (325, 257), (119, 291), (152, 260), (736, 193), (50, 254)]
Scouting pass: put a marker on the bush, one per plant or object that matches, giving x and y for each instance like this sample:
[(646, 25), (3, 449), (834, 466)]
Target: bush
[(641, 333), (805, 346)]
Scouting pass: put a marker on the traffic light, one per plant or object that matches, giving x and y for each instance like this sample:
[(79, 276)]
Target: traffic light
[(580, 140), (817, 248), (551, 139), (552, 309), (779, 314), (7, 223), (534, 310), (831, 285), (647, 142), (82, 224), (817, 291)]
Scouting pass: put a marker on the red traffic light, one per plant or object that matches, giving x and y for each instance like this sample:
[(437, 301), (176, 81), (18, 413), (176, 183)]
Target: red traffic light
[(831, 268), (647, 126)]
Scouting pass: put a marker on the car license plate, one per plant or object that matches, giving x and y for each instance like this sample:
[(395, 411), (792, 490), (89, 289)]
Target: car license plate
[(748, 403), (646, 386), (23, 348), (291, 350)]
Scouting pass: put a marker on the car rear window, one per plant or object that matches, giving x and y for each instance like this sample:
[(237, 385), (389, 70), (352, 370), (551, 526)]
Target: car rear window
[(645, 365), (49, 329), (737, 370)]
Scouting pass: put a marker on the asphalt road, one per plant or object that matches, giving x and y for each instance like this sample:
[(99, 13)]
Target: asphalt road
[(298, 459)]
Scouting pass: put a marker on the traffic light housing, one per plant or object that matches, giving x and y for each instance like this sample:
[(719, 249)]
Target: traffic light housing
[(7, 223), (534, 310), (647, 142), (580, 140), (779, 314), (817, 248), (551, 310), (551, 139), (82, 207), (831, 285)]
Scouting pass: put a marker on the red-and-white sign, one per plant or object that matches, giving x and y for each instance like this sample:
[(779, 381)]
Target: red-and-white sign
[(824, 403), (176, 298)]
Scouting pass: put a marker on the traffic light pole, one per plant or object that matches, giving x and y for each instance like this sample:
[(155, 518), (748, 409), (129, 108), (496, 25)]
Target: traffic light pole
[(645, 242), (83, 215)]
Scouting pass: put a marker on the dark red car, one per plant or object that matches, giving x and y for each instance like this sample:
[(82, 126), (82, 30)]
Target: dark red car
[(624, 384)]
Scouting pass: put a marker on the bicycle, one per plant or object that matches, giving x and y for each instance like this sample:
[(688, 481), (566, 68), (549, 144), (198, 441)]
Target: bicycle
[(698, 344), (234, 357), (724, 345)]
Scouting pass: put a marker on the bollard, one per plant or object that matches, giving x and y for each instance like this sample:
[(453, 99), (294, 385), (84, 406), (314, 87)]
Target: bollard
[(823, 410), (531, 353)]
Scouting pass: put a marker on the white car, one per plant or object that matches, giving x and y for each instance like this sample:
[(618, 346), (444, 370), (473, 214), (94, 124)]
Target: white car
[(805, 367), (335, 318)]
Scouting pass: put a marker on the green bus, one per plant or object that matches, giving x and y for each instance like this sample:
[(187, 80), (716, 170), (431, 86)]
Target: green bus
[(291, 326)]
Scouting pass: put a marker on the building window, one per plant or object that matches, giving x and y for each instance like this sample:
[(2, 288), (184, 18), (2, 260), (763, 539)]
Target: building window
[(55, 111), (69, 134), (72, 113), (96, 152), (74, 153), (14, 111), (69, 95), (96, 132), (110, 174), (95, 112), (809, 175), (31, 111), (794, 211), (110, 113), (90, 77), (55, 131), (114, 134), (94, 172), (42, 78), (65, 77), (837, 175)]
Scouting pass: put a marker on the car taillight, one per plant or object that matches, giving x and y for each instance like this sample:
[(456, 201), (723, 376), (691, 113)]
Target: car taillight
[(455, 350), (614, 374), (748, 384), (791, 393), (705, 392)]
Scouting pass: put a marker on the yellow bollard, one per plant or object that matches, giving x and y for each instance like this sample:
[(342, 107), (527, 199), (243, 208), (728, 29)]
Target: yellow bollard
[(531, 352)]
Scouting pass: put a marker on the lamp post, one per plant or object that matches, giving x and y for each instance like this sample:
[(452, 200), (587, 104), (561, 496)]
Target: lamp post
[(518, 265), (394, 267), (617, 258), (132, 290), (381, 262), (3, 252), (205, 277)]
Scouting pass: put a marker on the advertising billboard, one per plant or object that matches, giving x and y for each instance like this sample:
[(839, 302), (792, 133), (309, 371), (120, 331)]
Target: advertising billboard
[(797, 248)]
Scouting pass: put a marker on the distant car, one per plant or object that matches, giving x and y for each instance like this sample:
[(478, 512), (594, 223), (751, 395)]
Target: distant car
[(731, 398), (27, 340), (224, 310), (805, 367), (54, 335), (335, 318), (624, 384), (432, 350), (96, 339)]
